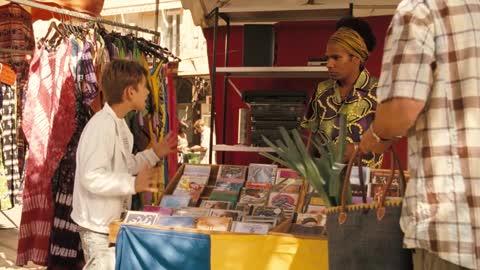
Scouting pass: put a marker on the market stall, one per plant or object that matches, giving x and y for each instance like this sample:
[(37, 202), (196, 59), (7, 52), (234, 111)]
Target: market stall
[(159, 246)]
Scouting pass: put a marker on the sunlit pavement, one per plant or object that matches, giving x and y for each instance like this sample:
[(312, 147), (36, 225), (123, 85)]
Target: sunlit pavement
[(9, 239)]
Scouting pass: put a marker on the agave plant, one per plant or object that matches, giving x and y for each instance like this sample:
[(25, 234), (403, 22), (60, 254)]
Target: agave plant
[(322, 172)]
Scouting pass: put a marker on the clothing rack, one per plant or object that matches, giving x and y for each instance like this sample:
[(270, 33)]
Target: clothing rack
[(83, 16)]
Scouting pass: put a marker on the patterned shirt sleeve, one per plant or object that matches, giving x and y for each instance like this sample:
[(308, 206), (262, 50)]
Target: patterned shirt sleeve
[(408, 55)]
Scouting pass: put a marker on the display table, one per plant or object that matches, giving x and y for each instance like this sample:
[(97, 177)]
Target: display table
[(141, 247)]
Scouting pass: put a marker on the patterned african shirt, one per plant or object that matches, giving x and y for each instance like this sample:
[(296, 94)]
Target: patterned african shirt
[(359, 106)]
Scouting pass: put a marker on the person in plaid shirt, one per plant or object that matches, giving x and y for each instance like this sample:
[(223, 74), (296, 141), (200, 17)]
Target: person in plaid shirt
[(430, 82)]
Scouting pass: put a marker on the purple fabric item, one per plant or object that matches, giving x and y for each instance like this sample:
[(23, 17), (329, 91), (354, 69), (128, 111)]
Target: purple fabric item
[(88, 78)]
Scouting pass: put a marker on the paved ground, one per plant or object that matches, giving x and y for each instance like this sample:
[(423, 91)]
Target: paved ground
[(8, 240)]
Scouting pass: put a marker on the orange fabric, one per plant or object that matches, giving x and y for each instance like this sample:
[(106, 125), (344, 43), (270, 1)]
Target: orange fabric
[(7, 75), (89, 7)]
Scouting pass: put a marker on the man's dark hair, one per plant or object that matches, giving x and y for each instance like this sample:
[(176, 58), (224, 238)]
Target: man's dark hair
[(362, 28)]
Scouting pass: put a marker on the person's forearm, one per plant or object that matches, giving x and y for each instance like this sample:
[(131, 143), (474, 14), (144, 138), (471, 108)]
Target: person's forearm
[(395, 117), (197, 148)]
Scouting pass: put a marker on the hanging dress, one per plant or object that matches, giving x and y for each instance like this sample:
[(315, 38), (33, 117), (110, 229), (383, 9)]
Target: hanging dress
[(9, 149), (49, 122), (65, 247)]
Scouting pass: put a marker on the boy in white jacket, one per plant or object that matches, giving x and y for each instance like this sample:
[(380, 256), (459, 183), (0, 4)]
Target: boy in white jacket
[(107, 172)]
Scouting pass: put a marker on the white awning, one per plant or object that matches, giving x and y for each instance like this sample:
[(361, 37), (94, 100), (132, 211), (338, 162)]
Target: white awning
[(361, 8), (194, 67), (117, 7)]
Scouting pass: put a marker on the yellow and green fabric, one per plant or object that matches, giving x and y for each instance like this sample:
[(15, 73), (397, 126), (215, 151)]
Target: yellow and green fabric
[(152, 248), (359, 106)]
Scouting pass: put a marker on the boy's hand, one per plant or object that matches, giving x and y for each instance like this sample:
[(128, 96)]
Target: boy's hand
[(145, 180), (166, 146)]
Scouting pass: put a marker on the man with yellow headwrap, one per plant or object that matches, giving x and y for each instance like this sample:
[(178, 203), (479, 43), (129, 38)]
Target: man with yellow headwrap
[(351, 89)]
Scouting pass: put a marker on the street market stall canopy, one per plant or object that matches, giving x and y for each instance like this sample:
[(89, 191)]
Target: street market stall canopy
[(247, 11), (88, 7), (117, 7)]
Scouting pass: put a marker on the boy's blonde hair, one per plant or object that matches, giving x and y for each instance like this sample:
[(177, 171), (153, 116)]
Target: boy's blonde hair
[(118, 75)]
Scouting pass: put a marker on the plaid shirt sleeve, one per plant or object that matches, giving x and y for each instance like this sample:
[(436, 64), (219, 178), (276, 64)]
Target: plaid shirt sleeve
[(431, 55), (408, 55)]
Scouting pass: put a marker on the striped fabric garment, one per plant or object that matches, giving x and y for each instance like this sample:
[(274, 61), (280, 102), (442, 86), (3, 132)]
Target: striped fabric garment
[(16, 31), (49, 122), (432, 54), (65, 246), (9, 140)]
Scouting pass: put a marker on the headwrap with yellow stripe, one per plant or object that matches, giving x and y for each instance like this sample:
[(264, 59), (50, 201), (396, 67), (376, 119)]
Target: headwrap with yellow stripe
[(351, 41)]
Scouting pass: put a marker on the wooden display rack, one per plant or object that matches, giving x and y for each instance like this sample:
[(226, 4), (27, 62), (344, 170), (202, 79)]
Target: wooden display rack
[(281, 229)]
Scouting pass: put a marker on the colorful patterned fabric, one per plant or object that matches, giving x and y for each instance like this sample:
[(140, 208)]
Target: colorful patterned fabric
[(87, 74), (359, 106), (65, 246), (432, 55), (49, 122), (8, 112), (16, 32)]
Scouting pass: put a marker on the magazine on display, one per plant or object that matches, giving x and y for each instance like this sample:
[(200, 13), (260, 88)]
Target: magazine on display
[(310, 220), (263, 173), (254, 196), (196, 170), (246, 227), (286, 174), (270, 221), (179, 222), (214, 223), (162, 211), (220, 195), (232, 172), (175, 201), (244, 207), (263, 211), (288, 181), (215, 204), (231, 185), (283, 200), (139, 217), (316, 209), (378, 180), (192, 186), (192, 212), (233, 214)]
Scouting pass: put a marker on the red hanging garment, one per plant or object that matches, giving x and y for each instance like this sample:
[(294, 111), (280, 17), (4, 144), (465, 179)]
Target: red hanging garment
[(49, 122), (171, 70)]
